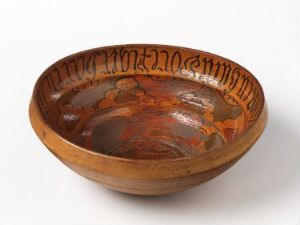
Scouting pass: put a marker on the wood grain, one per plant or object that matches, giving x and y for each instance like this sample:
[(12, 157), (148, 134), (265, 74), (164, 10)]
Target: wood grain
[(147, 119)]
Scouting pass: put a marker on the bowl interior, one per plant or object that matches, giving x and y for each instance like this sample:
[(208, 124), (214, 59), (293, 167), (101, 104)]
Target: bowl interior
[(142, 114)]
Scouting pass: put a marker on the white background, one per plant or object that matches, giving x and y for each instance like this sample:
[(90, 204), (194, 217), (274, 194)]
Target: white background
[(264, 36)]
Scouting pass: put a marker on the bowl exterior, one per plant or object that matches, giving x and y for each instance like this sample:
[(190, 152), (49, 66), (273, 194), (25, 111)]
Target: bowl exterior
[(150, 187)]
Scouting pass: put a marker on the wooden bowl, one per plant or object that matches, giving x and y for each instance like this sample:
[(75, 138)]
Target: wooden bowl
[(147, 119)]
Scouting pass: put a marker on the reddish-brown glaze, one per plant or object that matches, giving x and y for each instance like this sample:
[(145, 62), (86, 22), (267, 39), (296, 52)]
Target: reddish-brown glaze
[(149, 117), (149, 103)]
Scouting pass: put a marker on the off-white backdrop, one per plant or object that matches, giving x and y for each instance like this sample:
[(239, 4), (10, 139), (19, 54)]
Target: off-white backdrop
[(264, 36)]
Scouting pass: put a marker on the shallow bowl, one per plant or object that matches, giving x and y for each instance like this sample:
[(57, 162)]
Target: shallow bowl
[(147, 119)]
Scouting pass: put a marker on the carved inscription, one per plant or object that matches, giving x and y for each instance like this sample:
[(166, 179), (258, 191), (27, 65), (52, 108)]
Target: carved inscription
[(202, 67)]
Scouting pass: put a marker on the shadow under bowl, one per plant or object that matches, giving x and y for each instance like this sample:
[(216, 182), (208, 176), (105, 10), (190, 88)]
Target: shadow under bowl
[(147, 119)]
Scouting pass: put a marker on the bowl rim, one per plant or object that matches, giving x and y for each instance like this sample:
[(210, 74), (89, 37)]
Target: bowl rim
[(38, 122)]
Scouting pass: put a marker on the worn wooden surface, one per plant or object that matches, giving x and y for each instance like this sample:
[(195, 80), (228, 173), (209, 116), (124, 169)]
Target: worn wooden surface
[(147, 119)]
